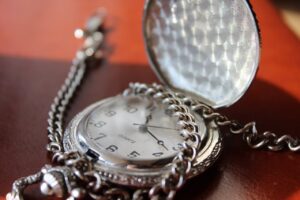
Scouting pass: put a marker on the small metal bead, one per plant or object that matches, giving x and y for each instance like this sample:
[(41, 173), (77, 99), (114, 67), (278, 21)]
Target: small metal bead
[(78, 193), (46, 190)]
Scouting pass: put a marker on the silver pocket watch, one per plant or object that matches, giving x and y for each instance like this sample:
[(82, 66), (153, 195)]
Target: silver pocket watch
[(146, 142)]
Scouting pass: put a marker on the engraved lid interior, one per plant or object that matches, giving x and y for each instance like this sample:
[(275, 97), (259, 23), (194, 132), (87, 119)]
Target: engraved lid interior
[(207, 48)]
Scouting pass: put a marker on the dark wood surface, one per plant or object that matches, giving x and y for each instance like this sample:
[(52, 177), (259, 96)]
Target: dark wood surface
[(35, 52)]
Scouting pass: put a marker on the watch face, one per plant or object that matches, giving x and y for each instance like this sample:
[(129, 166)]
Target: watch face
[(133, 130), (133, 140)]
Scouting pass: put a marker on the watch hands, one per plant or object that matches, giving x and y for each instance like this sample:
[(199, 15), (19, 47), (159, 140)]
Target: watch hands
[(152, 126), (160, 142), (144, 128)]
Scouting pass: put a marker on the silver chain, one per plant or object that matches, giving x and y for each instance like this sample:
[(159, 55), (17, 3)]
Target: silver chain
[(183, 161), (249, 132), (90, 50), (61, 101)]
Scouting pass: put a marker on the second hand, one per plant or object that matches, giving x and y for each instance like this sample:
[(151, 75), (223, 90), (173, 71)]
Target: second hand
[(160, 142)]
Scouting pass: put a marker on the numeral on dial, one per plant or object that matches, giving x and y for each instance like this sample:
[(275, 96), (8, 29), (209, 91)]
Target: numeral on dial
[(158, 154), (112, 148), (133, 154), (100, 124), (110, 113), (100, 136), (178, 147)]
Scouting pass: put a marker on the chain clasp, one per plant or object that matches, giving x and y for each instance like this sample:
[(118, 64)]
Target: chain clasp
[(93, 35)]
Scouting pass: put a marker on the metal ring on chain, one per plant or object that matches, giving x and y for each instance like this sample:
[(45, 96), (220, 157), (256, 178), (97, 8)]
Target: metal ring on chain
[(176, 177), (269, 140)]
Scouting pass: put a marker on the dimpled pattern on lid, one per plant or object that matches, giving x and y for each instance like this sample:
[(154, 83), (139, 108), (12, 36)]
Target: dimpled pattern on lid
[(207, 48)]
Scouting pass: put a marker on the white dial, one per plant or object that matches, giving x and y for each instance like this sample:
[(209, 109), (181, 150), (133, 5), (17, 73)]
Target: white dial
[(132, 139), (134, 129)]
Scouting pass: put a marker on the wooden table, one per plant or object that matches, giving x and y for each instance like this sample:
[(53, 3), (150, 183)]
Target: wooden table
[(35, 53)]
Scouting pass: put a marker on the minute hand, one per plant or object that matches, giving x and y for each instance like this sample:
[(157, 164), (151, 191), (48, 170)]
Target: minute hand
[(160, 142), (152, 126)]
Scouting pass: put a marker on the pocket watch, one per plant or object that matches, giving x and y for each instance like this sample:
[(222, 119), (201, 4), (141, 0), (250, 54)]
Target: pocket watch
[(146, 142)]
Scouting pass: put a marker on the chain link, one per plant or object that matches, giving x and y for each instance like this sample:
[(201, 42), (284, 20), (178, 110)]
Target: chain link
[(91, 182), (91, 50), (248, 131), (182, 163), (60, 103)]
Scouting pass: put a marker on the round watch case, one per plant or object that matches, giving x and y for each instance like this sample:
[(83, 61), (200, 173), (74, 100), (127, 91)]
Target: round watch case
[(123, 172)]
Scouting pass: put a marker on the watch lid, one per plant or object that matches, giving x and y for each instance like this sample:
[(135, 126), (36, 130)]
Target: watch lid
[(209, 49)]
